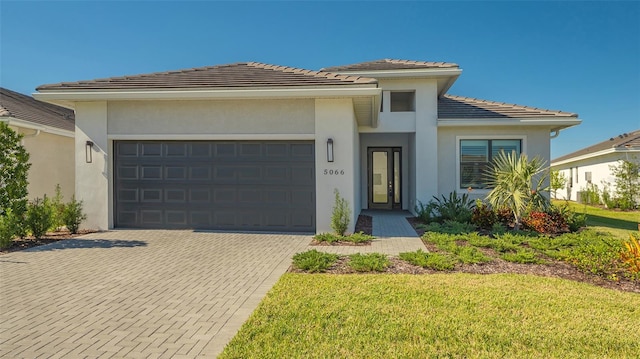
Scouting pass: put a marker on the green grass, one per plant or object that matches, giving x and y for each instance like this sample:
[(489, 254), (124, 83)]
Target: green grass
[(439, 316), (616, 222)]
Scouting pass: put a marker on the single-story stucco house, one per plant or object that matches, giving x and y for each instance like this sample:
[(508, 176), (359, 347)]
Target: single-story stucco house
[(592, 165), (251, 146), (48, 132)]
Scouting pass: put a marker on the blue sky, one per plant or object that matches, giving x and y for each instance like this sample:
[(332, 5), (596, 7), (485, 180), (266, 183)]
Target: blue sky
[(581, 57)]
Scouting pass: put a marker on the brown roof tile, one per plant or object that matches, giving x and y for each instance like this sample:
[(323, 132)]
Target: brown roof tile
[(450, 106), (390, 64), (621, 142), (243, 74), (26, 108)]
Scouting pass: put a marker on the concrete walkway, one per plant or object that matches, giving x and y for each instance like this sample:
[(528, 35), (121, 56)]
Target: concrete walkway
[(393, 234), (137, 294)]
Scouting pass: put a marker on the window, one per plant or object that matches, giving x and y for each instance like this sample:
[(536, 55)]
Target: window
[(476, 157), (403, 101)]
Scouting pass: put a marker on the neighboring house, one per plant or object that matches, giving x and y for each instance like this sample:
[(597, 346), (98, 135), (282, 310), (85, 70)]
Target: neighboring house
[(251, 146), (48, 137), (591, 165)]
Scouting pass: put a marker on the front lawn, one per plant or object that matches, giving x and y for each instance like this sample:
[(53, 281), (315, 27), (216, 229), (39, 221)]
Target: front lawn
[(619, 223), (442, 315)]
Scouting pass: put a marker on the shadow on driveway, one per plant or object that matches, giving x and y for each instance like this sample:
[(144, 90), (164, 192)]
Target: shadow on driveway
[(86, 243)]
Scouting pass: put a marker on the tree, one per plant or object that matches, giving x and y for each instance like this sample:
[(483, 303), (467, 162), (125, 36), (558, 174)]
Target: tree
[(627, 181), (518, 184), (558, 181), (14, 168)]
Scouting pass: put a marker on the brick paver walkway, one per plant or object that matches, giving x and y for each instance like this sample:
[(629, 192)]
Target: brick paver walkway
[(137, 294)]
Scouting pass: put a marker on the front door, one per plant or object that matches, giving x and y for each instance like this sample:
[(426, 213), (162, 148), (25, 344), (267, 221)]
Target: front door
[(384, 174)]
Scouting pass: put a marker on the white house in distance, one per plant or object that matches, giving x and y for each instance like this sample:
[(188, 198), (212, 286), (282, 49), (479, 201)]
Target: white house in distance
[(591, 165), (48, 132), (251, 146)]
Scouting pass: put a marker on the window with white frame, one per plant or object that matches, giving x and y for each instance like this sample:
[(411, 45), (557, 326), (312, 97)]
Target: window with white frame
[(476, 156)]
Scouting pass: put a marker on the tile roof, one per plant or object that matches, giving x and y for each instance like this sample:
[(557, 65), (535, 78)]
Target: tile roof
[(26, 108), (242, 74), (458, 107), (620, 142), (390, 64)]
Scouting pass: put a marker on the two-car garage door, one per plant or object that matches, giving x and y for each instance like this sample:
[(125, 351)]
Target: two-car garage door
[(228, 185)]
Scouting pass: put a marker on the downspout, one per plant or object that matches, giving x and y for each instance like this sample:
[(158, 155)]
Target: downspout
[(555, 133)]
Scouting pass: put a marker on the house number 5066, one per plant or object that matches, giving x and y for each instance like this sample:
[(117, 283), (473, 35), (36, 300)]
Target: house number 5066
[(334, 172)]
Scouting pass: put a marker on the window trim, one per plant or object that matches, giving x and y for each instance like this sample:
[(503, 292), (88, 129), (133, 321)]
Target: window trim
[(484, 191)]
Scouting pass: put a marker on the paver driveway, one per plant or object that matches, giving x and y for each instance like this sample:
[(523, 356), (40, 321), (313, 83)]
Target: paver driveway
[(137, 293)]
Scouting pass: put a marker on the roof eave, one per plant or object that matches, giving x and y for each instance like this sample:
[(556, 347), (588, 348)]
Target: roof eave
[(404, 73), (595, 154), (555, 123), (69, 96)]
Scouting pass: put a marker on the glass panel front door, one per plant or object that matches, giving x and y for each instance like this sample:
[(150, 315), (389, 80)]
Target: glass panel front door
[(384, 178)]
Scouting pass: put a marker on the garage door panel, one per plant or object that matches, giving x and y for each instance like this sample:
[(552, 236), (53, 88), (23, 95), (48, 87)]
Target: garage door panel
[(251, 185)]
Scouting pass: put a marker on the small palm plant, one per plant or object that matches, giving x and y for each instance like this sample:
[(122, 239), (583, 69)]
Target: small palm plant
[(518, 184)]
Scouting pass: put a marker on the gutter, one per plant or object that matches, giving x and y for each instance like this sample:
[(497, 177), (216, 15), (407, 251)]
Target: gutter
[(39, 128)]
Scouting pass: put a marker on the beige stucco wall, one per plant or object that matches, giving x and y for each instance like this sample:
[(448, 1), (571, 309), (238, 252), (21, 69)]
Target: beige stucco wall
[(203, 117), (93, 179), (535, 142), (52, 162), (335, 119), (419, 139)]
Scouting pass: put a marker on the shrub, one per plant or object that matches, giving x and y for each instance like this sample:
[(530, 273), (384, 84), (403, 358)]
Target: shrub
[(592, 252), (450, 227), (341, 215), (518, 184), (7, 228), (14, 168), (57, 207), (630, 255), (72, 215), (523, 255), (478, 240), (314, 261), (573, 220), (505, 217), (327, 237), (359, 237), (498, 228), (372, 262), (507, 242), (455, 208), (627, 181), (551, 222), (590, 195), (469, 255), (39, 216), (483, 216), (423, 259), (425, 211)]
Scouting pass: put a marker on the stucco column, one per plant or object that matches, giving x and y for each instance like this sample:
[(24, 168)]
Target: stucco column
[(426, 142), (92, 179), (334, 119)]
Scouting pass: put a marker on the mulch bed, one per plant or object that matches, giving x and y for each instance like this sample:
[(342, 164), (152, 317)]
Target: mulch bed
[(51, 237), (364, 224), (552, 268)]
